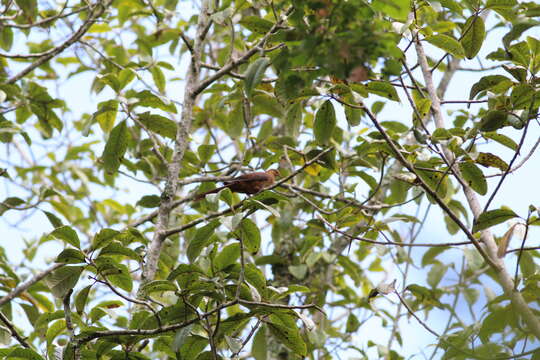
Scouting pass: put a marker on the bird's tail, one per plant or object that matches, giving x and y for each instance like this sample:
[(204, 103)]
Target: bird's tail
[(213, 191)]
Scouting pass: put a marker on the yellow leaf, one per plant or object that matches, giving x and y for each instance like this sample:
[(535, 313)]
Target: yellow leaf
[(313, 169)]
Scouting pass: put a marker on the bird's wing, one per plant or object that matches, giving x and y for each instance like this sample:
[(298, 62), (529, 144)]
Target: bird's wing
[(256, 176)]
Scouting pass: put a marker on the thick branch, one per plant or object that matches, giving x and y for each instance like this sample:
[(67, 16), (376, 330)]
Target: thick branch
[(486, 236), (180, 144)]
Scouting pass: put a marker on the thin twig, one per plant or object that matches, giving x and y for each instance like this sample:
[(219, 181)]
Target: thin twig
[(13, 331), (96, 12), (388, 242)]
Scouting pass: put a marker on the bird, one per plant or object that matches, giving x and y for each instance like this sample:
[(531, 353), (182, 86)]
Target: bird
[(250, 183)]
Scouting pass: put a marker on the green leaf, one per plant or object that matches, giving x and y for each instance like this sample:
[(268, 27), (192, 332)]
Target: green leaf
[(493, 120), (430, 255), (251, 236), (117, 248), (68, 235), (473, 176), (501, 139), (53, 219), (235, 120), (29, 8), (448, 44), (119, 275), (148, 99), (159, 124), (397, 9), (104, 237), (352, 323), (325, 122), (115, 147), (125, 76), (495, 322), (255, 277), (256, 24), (284, 328), (63, 279), (106, 114), (383, 89), (521, 54), (70, 256), (501, 4), (516, 30), (24, 354), (158, 286), (259, 346), (81, 299), (266, 104), (159, 78), (227, 256), (298, 271), (9, 203), (192, 346), (519, 73), (475, 33), (492, 217), (527, 265), (534, 46), (254, 74), (265, 131), (490, 82), (55, 329), (200, 240), (205, 152), (6, 38), (522, 96), (436, 274), (353, 115), (293, 119), (434, 179), (149, 201), (491, 160)]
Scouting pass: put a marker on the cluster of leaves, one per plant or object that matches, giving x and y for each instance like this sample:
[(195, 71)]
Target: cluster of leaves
[(255, 275)]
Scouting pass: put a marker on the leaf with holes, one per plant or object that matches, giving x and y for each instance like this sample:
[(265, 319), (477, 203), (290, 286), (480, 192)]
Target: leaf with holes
[(491, 160), (474, 177), (284, 328)]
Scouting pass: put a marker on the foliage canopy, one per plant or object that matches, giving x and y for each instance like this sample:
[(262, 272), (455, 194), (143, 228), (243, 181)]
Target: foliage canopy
[(116, 114)]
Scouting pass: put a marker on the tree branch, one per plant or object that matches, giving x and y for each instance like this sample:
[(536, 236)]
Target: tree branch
[(486, 236), (96, 12)]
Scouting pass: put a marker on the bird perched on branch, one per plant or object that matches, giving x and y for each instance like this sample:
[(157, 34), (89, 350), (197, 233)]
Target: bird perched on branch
[(250, 183)]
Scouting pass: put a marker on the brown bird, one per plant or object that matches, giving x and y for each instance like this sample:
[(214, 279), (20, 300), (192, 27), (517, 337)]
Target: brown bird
[(250, 183)]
